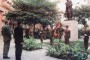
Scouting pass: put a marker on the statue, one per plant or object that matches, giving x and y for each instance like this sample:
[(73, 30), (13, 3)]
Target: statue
[(69, 9)]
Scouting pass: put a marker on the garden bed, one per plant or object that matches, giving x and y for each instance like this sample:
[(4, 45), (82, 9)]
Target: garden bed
[(31, 44), (73, 51)]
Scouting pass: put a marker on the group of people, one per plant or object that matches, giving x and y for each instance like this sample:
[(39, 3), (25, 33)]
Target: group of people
[(18, 37), (53, 32), (57, 32)]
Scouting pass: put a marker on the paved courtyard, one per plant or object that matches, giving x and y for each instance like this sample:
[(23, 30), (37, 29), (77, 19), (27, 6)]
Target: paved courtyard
[(26, 55)]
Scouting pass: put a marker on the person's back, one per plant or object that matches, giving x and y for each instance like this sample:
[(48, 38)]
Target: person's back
[(18, 34), (6, 33)]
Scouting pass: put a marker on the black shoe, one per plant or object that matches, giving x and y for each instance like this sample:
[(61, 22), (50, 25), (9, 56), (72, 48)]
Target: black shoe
[(6, 57)]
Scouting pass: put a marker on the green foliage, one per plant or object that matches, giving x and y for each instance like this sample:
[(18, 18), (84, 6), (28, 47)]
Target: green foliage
[(27, 18), (43, 7), (31, 44), (45, 22), (75, 50), (34, 4), (84, 10), (33, 11)]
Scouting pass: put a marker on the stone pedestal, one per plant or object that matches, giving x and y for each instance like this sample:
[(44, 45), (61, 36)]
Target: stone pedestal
[(73, 27)]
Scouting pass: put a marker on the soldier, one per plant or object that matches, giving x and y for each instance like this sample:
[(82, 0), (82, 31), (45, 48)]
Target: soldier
[(67, 34), (6, 33), (51, 31), (27, 32), (44, 33), (41, 35), (31, 31), (86, 34)]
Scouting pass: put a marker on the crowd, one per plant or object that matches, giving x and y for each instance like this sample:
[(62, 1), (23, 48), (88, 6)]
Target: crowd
[(52, 31)]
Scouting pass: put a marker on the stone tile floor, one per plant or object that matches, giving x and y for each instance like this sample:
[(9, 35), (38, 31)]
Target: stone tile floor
[(27, 55)]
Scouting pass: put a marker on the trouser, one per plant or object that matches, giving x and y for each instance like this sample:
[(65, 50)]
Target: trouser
[(18, 51), (41, 37), (66, 40), (86, 42), (6, 48), (51, 41)]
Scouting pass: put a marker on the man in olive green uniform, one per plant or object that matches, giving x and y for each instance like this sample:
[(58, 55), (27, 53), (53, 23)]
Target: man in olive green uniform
[(51, 33), (6, 33), (67, 34)]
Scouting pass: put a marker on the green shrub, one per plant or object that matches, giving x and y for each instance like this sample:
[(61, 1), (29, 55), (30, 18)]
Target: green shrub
[(31, 44), (75, 50)]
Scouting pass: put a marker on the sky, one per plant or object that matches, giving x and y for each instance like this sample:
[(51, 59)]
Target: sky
[(61, 3)]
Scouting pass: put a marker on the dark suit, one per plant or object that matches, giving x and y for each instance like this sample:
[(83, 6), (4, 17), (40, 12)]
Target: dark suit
[(18, 35), (86, 38)]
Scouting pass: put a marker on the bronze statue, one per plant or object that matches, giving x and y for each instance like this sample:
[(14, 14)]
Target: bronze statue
[(69, 9)]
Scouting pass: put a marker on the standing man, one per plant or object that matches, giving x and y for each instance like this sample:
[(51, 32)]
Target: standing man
[(18, 35), (67, 34), (41, 35), (51, 31), (6, 33), (86, 34), (69, 9)]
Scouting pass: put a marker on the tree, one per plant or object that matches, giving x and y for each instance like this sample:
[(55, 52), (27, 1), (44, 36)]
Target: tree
[(33, 12), (84, 10), (26, 9)]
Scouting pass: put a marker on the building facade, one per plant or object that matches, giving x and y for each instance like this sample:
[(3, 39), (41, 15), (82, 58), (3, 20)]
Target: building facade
[(5, 6)]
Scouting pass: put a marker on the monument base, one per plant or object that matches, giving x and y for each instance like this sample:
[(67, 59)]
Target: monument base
[(73, 27)]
